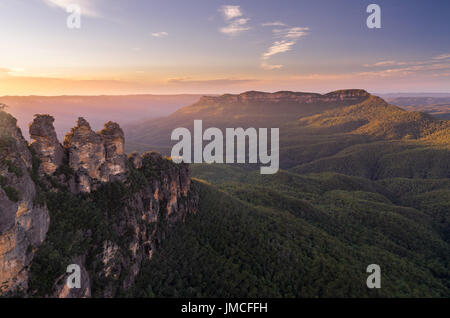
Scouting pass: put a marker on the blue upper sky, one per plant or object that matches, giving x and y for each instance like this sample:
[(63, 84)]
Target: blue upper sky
[(207, 46)]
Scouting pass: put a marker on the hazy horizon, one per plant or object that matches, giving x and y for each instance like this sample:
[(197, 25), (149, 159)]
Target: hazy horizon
[(409, 94), (124, 109), (214, 47)]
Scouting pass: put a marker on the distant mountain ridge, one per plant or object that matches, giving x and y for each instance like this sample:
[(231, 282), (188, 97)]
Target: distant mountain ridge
[(289, 102), (376, 117), (371, 175), (361, 182), (412, 94), (419, 101), (233, 110), (439, 107), (286, 97), (311, 125), (66, 109)]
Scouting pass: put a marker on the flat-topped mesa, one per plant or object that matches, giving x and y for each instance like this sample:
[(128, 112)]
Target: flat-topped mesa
[(45, 143), (287, 96), (95, 157), (349, 94)]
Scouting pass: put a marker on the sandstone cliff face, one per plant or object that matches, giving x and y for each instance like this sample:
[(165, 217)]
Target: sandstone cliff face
[(23, 222), (154, 195), (86, 154), (95, 157), (252, 97), (46, 144), (148, 215), (139, 223), (115, 158)]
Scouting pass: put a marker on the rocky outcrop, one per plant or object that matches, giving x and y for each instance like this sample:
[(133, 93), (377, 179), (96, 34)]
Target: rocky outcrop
[(159, 196), (86, 154), (154, 195), (348, 95), (254, 97), (46, 144), (23, 220), (95, 157), (148, 215), (115, 158)]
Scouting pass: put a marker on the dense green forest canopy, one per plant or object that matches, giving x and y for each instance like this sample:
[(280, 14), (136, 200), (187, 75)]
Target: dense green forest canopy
[(361, 183)]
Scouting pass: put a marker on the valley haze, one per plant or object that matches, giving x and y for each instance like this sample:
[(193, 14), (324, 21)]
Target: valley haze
[(258, 149)]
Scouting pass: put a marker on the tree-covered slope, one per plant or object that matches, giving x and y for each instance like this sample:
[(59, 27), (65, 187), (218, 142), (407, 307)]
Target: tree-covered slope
[(366, 182), (385, 159), (377, 118), (249, 109), (348, 131), (259, 242)]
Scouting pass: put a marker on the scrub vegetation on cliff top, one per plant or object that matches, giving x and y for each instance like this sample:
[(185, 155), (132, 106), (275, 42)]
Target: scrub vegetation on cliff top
[(81, 223)]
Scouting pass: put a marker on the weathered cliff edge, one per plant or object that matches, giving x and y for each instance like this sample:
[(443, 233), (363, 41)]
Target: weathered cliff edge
[(158, 195), (23, 220), (259, 98)]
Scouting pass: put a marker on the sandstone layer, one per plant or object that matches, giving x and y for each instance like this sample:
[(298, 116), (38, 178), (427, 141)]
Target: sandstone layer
[(23, 220), (157, 196)]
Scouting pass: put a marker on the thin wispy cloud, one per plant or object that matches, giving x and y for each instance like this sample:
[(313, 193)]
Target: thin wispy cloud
[(160, 34), (442, 57), (438, 65), (88, 7), (386, 63), (272, 24), (438, 69), (277, 48), (286, 39), (231, 12), (221, 81), (270, 67), (4, 72), (15, 71), (291, 33), (236, 23), (235, 27)]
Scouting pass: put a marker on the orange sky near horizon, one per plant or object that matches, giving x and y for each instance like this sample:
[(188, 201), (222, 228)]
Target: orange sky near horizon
[(207, 47), (52, 86)]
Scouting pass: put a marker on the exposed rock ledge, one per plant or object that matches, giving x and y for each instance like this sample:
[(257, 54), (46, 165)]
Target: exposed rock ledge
[(84, 162), (23, 220), (94, 157)]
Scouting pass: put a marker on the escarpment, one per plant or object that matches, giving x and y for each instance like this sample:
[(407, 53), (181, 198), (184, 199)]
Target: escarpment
[(24, 219), (129, 221), (46, 144), (108, 213), (254, 97)]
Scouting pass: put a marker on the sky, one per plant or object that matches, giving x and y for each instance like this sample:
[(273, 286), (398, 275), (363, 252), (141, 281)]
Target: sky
[(214, 47)]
